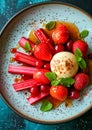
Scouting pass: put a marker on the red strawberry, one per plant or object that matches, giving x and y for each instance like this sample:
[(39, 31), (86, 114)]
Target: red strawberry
[(82, 45), (40, 77), (42, 52), (81, 81), (60, 35), (59, 92)]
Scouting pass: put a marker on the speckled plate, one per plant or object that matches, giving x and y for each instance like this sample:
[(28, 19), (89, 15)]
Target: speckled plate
[(32, 18)]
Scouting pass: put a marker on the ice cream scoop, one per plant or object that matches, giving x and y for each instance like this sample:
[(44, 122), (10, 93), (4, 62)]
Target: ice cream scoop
[(64, 64)]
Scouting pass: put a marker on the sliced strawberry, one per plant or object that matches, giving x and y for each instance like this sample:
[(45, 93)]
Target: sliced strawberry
[(42, 52), (82, 45), (81, 81), (60, 35)]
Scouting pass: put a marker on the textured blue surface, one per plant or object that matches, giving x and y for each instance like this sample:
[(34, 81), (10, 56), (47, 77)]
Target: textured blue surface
[(9, 120)]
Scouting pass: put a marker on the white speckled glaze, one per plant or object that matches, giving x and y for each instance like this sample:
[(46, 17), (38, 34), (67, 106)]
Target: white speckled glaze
[(32, 18)]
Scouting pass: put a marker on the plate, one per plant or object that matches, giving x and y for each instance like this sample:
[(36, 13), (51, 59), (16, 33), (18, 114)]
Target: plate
[(32, 18)]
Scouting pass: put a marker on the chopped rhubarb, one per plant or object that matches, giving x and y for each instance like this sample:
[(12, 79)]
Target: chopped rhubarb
[(33, 100), (28, 59), (21, 70), (24, 41), (25, 84), (44, 39), (41, 35)]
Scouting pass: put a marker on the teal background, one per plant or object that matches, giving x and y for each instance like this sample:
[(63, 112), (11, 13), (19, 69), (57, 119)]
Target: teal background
[(9, 120)]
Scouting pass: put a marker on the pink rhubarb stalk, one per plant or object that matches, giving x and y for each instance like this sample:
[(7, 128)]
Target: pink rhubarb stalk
[(41, 95), (25, 84), (44, 39), (28, 59), (22, 42), (21, 70)]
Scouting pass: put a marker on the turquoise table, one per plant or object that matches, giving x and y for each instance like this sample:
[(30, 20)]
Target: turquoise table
[(9, 120)]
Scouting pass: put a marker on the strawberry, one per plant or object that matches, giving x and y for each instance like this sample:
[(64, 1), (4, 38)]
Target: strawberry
[(42, 52), (81, 81), (82, 45), (40, 77), (60, 35), (59, 92)]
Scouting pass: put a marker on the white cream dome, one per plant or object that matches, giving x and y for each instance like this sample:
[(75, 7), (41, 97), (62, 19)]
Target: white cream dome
[(64, 64)]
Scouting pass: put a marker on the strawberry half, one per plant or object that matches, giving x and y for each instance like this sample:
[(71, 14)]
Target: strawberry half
[(42, 52), (82, 45)]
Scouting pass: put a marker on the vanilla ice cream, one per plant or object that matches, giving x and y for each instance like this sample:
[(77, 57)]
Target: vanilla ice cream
[(64, 64)]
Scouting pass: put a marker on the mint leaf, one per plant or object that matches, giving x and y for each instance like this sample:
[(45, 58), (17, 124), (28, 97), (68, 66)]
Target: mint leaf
[(55, 82), (27, 46), (51, 75), (78, 52), (82, 63), (78, 59), (84, 33), (50, 25), (67, 82), (63, 81), (46, 106)]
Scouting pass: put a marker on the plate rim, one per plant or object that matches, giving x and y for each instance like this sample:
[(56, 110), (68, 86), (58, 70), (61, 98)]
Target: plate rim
[(2, 96)]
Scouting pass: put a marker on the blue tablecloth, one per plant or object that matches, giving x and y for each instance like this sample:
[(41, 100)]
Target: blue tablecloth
[(9, 120)]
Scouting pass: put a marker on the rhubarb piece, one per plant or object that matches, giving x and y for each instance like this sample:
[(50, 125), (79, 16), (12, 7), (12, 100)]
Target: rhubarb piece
[(28, 59), (44, 39), (26, 44), (21, 70), (25, 84), (33, 100), (40, 35)]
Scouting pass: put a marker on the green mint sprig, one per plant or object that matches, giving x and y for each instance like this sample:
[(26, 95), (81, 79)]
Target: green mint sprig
[(46, 106), (68, 82), (51, 75), (79, 59), (63, 81), (50, 25), (84, 33), (27, 46)]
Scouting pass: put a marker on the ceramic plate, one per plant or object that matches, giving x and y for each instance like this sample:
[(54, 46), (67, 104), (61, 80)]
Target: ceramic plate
[(32, 18)]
